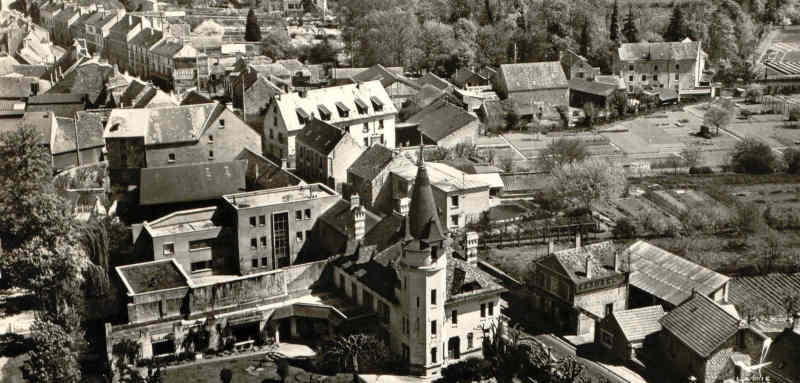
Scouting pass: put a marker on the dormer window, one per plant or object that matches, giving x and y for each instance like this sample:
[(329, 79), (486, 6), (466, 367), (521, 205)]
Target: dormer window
[(221, 123), (361, 106), (343, 110), (324, 113), (302, 115), (376, 104)]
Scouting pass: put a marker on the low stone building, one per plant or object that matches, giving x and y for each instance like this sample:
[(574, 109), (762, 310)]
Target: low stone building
[(623, 333)]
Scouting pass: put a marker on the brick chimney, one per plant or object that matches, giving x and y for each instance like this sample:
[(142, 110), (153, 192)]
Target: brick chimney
[(471, 247), (577, 240), (359, 224), (588, 266)]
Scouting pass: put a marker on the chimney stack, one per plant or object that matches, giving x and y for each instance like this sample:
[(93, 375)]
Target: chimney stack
[(551, 247), (471, 247), (577, 240), (359, 224), (284, 164), (588, 267), (404, 202), (616, 260)]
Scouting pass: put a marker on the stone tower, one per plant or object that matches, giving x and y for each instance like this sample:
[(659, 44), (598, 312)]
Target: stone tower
[(422, 269)]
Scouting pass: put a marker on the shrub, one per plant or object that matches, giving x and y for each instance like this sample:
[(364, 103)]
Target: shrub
[(700, 170), (753, 156), (624, 229), (467, 371), (792, 158)]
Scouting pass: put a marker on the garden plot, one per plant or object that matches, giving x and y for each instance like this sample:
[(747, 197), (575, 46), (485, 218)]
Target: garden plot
[(773, 133), (679, 201), (777, 195), (630, 208)]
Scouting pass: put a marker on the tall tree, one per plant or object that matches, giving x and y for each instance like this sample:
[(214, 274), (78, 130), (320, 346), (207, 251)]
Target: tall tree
[(588, 181), (585, 40), (353, 352), (50, 358), (676, 29), (562, 151), (721, 37), (629, 30), (614, 28), (252, 31)]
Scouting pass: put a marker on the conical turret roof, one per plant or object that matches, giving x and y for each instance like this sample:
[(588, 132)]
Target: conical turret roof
[(423, 218)]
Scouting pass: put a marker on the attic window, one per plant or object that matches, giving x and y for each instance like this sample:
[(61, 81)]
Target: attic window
[(344, 111), (302, 115), (113, 128), (376, 103), (361, 106), (324, 113)]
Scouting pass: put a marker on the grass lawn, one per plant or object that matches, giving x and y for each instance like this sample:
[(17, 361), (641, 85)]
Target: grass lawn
[(771, 132), (209, 372)]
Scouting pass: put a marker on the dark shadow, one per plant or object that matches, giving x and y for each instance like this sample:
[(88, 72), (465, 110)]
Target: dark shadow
[(12, 345), (18, 304)]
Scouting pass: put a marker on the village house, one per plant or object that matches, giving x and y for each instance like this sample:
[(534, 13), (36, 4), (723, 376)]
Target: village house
[(173, 65), (98, 27), (367, 175), (264, 174), (62, 104), (89, 78), (398, 87), (364, 110), (485, 172), (660, 277), (116, 43), (200, 182), (172, 136), (324, 153), (137, 94), (251, 92), (782, 354), (575, 287), (531, 83), (63, 22), (576, 66), (441, 124), (48, 12), (139, 51), (679, 66), (623, 332), (583, 92), (78, 29), (470, 80), (706, 341)]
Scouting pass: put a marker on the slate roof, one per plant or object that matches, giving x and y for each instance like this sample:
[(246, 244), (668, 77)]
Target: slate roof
[(63, 137), (42, 122), (371, 161), (427, 95), (668, 276), (340, 218), (701, 324), (194, 98), (265, 174), (463, 75), (572, 261), (423, 217), (90, 128), (88, 78), (152, 276), (7, 64), (293, 66), (329, 97), (591, 87), (164, 125), (464, 280), (769, 290), (320, 136), (636, 324), (618, 81), (31, 70), (168, 48), (441, 119), (659, 51), (124, 25), (15, 87), (532, 76), (146, 38), (141, 95), (376, 72), (199, 182)]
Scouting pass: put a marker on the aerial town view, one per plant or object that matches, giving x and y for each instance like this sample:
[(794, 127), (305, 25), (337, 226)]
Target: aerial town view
[(399, 191)]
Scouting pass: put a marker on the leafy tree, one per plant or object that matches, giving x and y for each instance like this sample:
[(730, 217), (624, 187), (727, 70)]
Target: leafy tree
[(354, 353), (691, 155), (51, 358), (718, 116), (792, 158), (467, 371), (629, 29), (502, 349), (753, 156), (614, 32), (753, 93), (36, 15), (277, 44), (747, 218), (721, 36), (252, 31), (436, 42), (588, 181), (624, 228), (323, 52), (309, 6), (562, 151), (619, 104), (585, 40), (676, 30)]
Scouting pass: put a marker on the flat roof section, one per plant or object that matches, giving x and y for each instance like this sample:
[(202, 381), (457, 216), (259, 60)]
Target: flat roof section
[(278, 196), (152, 276)]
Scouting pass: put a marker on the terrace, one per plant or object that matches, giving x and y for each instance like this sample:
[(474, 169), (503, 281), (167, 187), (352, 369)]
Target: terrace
[(278, 196)]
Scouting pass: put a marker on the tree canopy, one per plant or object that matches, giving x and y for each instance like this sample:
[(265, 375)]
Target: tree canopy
[(50, 359), (588, 181), (562, 151), (753, 156)]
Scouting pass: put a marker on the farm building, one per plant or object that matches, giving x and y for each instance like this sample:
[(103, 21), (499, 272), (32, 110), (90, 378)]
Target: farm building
[(623, 332)]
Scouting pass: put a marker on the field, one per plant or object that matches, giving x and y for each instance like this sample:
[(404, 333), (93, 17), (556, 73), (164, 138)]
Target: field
[(781, 52), (531, 145), (773, 133)]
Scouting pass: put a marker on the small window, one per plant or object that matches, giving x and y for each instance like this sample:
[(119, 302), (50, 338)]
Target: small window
[(263, 241), (454, 315), (433, 355), (470, 341), (630, 67), (169, 249), (262, 220), (366, 141), (677, 76), (299, 236), (655, 77), (308, 213), (433, 296), (365, 129), (199, 244), (580, 74), (483, 310), (221, 123), (454, 201), (377, 104), (491, 308), (274, 122), (254, 262), (171, 157), (298, 215), (677, 66), (454, 220), (609, 309), (210, 138), (264, 261), (380, 125), (280, 137), (253, 221), (417, 302), (253, 243), (656, 68), (433, 327), (644, 77), (210, 154), (200, 266), (271, 135)]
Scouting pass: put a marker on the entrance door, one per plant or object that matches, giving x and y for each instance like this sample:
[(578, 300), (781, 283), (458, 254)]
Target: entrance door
[(454, 348)]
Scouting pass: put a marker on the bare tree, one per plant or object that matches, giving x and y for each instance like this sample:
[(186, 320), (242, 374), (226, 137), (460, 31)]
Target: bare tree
[(718, 116), (588, 181), (692, 155)]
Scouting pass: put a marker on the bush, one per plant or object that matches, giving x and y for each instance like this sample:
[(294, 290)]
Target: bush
[(624, 229), (753, 156), (794, 114), (792, 158), (700, 170), (467, 371)]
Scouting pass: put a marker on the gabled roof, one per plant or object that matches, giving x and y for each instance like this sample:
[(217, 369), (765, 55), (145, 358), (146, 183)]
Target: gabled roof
[(63, 137), (659, 51), (288, 104), (591, 87), (701, 324), (7, 65), (376, 72), (463, 75), (432, 79), (667, 276), (636, 324), (164, 125), (193, 98), (293, 66), (168, 48), (141, 95), (531, 76), (146, 38), (124, 25), (340, 217), (572, 262), (183, 221), (265, 174), (90, 128), (427, 95), (441, 119), (320, 136), (88, 78), (371, 162), (199, 182)]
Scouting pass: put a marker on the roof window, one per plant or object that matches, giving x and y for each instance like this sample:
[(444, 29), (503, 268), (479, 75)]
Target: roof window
[(377, 104)]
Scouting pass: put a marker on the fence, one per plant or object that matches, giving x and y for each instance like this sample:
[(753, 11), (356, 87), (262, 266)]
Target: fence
[(542, 231)]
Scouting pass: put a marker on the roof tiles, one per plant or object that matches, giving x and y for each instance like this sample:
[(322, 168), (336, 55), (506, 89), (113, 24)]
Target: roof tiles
[(638, 323), (701, 324)]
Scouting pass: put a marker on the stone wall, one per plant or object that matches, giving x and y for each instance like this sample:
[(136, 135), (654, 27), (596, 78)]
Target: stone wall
[(157, 305)]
